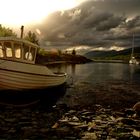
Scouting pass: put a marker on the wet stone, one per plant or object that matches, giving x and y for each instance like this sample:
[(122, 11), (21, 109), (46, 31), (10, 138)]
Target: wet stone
[(22, 124), (78, 123), (10, 120), (71, 112), (128, 121), (137, 127), (119, 114), (87, 113), (129, 112), (43, 130), (82, 127), (12, 130), (86, 119), (89, 136)]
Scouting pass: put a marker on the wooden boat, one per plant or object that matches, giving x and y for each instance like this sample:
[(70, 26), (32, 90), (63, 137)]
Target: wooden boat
[(18, 70), (133, 60)]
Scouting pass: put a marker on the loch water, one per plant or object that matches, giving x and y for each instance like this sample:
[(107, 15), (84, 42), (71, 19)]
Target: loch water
[(113, 84), (96, 91), (98, 73)]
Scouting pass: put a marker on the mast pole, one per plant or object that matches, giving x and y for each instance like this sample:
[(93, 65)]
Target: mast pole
[(132, 47), (22, 30)]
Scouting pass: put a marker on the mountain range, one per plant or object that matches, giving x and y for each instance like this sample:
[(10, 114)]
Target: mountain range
[(123, 54)]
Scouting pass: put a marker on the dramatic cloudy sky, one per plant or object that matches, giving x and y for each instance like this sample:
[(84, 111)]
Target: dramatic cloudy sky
[(94, 24)]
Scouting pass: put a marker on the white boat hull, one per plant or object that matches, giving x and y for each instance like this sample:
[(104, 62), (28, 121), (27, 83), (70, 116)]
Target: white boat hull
[(18, 76), (133, 61)]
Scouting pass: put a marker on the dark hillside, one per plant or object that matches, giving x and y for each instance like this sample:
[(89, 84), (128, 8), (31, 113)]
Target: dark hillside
[(64, 58), (124, 54)]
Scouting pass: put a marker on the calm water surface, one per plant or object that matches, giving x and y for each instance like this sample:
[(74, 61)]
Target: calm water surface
[(101, 72)]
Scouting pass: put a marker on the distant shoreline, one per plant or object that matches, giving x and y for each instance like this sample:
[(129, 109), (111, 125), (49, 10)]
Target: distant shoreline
[(110, 61)]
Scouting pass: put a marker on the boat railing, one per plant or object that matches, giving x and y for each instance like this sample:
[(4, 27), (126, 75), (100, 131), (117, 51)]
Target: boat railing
[(18, 50)]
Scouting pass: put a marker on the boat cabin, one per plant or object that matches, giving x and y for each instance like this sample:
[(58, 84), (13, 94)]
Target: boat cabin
[(16, 49)]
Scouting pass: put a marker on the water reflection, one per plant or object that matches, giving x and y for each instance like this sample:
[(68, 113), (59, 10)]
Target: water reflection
[(68, 68), (46, 97), (100, 72), (73, 68), (132, 70)]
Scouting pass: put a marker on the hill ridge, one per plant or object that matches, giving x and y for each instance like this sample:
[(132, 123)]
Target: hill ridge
[(112, 54)]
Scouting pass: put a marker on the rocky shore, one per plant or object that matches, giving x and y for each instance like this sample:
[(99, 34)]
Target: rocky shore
[(83, 113), (69, 123)]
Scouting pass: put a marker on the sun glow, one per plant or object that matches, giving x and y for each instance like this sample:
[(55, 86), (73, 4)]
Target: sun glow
[(17, 12)]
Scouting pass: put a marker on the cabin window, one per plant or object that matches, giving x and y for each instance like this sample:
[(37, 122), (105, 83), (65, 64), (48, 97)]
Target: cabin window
[(32, 51), (8, 48), (1, 51), (26, 52), (28, 56), (17, 50), (8, 52), (29, 52)]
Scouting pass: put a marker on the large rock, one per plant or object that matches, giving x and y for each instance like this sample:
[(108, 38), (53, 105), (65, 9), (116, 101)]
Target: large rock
[(136, 107)]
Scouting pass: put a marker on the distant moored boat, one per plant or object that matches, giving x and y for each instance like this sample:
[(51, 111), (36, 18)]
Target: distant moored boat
[(133, 60)]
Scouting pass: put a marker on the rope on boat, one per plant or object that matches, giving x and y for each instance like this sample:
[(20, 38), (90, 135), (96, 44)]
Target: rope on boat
[(20, 105)]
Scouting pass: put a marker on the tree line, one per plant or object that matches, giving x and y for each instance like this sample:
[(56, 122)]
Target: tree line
[(31, 36)]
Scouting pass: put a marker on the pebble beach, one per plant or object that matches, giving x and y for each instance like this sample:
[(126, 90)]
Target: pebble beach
[(83, 113)]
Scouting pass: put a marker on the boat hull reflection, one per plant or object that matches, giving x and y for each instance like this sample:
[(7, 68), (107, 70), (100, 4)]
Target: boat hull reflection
[(46, 96)]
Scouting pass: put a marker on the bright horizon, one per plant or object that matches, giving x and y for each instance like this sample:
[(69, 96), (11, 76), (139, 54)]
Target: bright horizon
[(19, 12)]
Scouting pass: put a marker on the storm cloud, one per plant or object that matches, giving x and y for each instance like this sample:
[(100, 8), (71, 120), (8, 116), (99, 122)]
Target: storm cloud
[(95, 23)]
